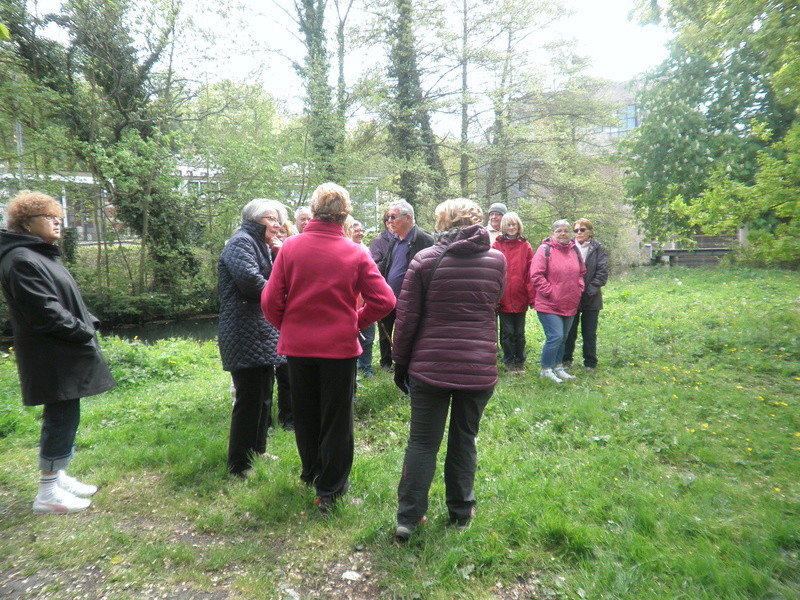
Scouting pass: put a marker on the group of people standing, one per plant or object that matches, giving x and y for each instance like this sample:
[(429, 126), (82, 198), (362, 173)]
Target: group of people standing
[(562, 281), (299, 307)]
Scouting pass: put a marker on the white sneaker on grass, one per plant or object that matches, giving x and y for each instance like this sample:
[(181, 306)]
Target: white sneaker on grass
[(549, 374), (75, 487), (561, 373), (60, 502)]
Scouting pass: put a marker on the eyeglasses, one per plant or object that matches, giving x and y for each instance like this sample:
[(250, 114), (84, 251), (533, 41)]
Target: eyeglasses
[(393, 217), (271, 220), (51, 218), (580, 230)]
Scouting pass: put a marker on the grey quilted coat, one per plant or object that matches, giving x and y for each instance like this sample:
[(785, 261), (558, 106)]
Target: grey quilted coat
[(246, 339)]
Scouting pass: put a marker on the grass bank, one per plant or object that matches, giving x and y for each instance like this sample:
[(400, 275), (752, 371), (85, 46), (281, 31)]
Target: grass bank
[(670, 472)]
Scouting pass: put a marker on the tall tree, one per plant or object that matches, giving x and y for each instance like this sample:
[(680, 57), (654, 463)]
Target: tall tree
[(739, 60), (116, 104), (412, 140), (326, 127)]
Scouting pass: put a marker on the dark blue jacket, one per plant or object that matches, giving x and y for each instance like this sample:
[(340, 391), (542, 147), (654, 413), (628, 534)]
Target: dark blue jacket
[(246, 339)]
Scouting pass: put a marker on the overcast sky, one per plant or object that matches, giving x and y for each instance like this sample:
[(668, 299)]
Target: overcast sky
[(618, 49)]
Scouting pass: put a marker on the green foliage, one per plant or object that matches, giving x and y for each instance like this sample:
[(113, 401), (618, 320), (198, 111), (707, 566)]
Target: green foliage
[(419, 169), (717, 139), (670, 472), (134, 363)]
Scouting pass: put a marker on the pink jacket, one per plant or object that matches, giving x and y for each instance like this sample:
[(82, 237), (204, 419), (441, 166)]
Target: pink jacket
[(557, 280), (519, 254), (312, 293)]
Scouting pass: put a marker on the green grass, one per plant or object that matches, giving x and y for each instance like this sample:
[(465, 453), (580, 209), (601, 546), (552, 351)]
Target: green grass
[(673, 471)]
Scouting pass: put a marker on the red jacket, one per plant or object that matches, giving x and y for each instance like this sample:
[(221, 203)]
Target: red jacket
[(311, 295), (519, 254), (557, 280)]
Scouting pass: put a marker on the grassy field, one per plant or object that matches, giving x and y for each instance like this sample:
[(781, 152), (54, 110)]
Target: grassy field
[(673, 471)]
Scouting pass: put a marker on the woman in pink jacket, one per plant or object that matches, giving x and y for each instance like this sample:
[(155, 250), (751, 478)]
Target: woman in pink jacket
[(557, 281), (513, 306), (311, 298)]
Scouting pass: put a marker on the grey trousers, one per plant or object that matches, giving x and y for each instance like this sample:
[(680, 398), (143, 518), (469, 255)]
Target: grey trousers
[(429, 408)]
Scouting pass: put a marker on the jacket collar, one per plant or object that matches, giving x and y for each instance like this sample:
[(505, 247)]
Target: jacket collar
[(324, 227)]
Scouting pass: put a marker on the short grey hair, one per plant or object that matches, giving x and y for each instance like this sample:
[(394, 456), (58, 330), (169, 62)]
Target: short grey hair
[(403, 207), (561, 223), (255, 210), (302, 209)]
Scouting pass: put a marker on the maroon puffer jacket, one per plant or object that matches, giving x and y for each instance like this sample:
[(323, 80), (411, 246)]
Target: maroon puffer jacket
[(451, 342)]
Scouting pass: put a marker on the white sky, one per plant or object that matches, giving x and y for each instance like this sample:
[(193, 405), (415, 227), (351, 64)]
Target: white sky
[(617, 49)]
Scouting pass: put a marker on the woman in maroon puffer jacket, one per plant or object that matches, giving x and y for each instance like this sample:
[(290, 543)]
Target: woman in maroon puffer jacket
[(513, 307), (445, 347)]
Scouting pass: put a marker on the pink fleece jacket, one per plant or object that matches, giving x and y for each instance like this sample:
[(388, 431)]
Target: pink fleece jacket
[(312, 293), (557, 280)]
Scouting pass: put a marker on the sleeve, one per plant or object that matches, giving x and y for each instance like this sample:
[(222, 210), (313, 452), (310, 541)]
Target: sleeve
[(600, 273), (273, 297), (527, 275), (409, 312), (37, 300), (538, 282), (240, 260), (378, 297)]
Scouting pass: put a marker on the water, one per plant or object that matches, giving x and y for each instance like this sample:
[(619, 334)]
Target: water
[(198, 328)]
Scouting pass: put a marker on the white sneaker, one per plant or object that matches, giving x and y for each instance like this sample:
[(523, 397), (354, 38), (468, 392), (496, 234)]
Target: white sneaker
[(561, 372), (548, 374), (60, 502), (75, 487)]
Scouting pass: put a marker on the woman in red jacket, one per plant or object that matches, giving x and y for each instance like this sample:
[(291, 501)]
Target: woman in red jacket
[(514, 305), (311, 298), (557, 281)]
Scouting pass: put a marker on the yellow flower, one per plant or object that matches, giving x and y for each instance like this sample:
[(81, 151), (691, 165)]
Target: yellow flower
[(777, 489), (704, 425)]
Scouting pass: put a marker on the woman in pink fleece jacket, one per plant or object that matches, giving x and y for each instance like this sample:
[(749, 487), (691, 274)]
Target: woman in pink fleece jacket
[(311, 298), (557, 281)]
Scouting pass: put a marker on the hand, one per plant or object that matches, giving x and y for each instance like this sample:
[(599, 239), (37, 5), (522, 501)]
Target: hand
[(401, 377)]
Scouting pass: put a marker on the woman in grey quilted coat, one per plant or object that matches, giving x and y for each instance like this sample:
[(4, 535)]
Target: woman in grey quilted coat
[(247, 342)]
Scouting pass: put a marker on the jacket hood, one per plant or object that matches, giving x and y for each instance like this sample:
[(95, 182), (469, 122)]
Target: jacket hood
[(465, 241), (10, 240)]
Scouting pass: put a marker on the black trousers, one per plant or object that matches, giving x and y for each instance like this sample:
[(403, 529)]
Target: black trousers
[(429, 408), (285, 417), (512, 337), (588, 320), (251, 416), (385, 327), (322, 403), (59, 426)]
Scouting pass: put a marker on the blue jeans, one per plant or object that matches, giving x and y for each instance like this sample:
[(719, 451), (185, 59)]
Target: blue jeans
[(365, 358), (59, 425), (556, 329)]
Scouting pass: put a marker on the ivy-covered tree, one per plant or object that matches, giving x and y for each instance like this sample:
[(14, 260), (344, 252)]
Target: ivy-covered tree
[(325, 120), (412, 142)]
